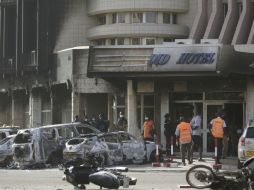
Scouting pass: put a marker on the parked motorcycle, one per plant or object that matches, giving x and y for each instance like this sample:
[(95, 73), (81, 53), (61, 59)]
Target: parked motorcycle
[(81, 172), (202, 176)]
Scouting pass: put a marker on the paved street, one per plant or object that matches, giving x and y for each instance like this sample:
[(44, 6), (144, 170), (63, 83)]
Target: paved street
[(149, 178), (50, 179)]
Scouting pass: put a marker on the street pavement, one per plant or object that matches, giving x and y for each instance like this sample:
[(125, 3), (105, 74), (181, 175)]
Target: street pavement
[(229, 163)]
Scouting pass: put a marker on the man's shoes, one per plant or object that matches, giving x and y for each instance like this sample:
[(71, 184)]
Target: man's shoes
[(201, 160), (183, 163), (190, 162)]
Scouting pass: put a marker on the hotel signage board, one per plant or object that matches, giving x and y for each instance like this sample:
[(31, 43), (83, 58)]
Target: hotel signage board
[(184, 58)]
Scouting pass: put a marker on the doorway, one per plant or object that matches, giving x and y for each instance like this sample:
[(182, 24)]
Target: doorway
[(234, 114)]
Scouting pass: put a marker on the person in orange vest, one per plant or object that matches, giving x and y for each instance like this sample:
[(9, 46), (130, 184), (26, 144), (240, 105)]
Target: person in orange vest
[(183, 133), (148, 132), (218, 124)]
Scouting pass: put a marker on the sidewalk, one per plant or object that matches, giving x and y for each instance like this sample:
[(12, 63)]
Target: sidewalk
[(229, 163)]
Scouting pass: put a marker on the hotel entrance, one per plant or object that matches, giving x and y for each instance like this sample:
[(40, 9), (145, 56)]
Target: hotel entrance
[(233, 111)]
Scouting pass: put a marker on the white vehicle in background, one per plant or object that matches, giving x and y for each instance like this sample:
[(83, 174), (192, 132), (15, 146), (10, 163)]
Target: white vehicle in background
[(246, 145), (6, 151)]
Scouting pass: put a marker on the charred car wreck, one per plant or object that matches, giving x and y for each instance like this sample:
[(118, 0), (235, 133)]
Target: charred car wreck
[(112, 148), (6, 151), (44, 145)]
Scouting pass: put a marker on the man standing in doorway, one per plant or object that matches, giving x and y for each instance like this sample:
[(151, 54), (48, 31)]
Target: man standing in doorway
[(196, 123), (148, 132), (218, 125), (183, 133)]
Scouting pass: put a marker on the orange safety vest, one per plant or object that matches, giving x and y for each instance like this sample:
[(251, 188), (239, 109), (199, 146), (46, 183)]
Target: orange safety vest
[(148, 126), (185, 132), (217, 127)]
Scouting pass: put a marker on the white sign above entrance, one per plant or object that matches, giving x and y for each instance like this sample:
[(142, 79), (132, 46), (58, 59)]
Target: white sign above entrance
[(184, 58)]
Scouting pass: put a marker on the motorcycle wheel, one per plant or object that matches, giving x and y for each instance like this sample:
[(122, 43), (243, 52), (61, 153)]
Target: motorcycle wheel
[(200, 176)]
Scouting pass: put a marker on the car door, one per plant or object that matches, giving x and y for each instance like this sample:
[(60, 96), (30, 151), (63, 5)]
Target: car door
[(115, 153)]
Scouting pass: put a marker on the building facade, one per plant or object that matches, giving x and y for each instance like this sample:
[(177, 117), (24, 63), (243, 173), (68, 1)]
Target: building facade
[(62, 58)]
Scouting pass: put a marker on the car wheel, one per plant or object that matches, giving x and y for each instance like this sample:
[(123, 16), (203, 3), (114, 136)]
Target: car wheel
[(239, 164)]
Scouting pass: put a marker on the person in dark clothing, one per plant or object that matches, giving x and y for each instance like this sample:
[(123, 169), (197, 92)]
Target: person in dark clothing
[(169, 131), (122, 122), (101, 124), (86, 121), (76, 119), (93, 121)]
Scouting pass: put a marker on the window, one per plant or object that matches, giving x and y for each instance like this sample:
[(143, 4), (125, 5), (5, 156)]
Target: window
[(137, 17), (225, 9), (110, 138), (240, 8), (120, 41), (112, 41), (114, 16), (49, 133), (124, 137), (135, 41), (85, 130), (168, 40), (66, 132), (121, 17), (46, 115), (166, 18), (150, 41), (174, 18), (150, 17), (102, 19), (100, 42)]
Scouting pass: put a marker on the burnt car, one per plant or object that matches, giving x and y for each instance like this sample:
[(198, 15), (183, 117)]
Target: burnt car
[(112, 147), (44, 145), (7, 131), (6, 150)]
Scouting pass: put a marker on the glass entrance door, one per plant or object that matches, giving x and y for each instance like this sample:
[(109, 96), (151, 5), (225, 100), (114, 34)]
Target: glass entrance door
[(209, 113)]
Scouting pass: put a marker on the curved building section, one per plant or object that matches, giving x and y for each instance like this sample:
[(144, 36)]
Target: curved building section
[(200, 22), (134, 30), (244, 24), (107, 6), (230, 23), (215, 21)]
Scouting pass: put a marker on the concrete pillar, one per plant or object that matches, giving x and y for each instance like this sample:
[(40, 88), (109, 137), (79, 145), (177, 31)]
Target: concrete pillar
[(132, 109), (75, 105), (250, 100), (18, 110), (243, 28), (110, 111), (200, 22), (164, 110), (215, 21), (35, 109), (230, 23)]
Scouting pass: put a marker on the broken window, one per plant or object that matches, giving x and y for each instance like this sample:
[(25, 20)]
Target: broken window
[(66, 132), (49, 133), (23, 138), (124, 137)]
